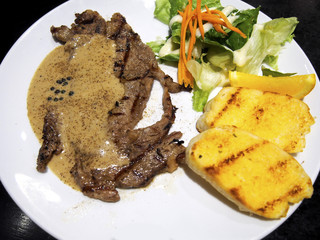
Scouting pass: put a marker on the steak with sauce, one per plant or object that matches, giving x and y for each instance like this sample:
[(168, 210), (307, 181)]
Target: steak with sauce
[(151, 150)]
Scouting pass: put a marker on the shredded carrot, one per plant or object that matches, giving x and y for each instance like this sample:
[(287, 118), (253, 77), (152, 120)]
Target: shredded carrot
[(199, 17), (228, 24), (191, 19), (192, 39)]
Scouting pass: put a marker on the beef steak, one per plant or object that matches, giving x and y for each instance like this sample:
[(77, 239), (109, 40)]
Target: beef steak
[(151, 150)]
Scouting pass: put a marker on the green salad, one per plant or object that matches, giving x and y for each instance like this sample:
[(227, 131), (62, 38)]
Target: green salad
[(217, 53)]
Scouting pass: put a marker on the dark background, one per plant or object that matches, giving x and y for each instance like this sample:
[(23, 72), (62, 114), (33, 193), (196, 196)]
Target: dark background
[(18, 16)]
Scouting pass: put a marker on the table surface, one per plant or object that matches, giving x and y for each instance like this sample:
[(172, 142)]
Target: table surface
[(303, 224)]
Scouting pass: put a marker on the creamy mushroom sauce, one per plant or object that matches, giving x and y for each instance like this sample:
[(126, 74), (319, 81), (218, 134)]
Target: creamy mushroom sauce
[(81, 86)]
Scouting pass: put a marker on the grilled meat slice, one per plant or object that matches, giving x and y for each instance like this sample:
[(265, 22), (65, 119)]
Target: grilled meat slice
[(134, 142), (128, 111), (95, 183), (162, 157), (134, 59), (89, 22), (51, 141)]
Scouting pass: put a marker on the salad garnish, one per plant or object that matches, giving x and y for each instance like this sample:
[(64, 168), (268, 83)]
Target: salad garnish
[(207, 40), (190, 20)]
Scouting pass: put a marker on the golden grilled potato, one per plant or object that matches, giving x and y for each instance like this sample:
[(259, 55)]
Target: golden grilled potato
[(252, 172), (280, 119)]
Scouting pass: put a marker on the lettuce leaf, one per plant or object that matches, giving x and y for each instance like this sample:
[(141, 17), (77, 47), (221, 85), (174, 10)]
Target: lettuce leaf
[(272, 61), (207, 77), (162, 11), (269, 72), (199, 98), (266, 40), (245, 22), (156, 45), (221, 57)]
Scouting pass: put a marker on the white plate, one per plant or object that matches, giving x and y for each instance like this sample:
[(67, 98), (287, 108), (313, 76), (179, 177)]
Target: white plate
[(174, 206)]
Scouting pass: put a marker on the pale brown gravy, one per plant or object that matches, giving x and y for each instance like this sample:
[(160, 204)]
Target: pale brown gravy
[(84, 89)]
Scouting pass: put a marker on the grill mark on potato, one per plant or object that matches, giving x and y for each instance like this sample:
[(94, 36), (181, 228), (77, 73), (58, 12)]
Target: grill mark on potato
[(296, 190), (269, 205), (215, 170), (233, 100), (279, 167)]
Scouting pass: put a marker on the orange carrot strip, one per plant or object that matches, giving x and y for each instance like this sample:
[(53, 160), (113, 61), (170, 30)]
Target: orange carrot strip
[(208, 10), (183, 39), (183, 75), (214, 19), (228, 24), (192, 39), (218, 28), (199, 16)]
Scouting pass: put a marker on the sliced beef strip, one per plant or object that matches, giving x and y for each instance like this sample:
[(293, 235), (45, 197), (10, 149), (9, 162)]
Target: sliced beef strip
[(134, 59), (89, 22), (153, 162), (136, 66), (95, 183), (51, 140), (134, 142), (128, 111)]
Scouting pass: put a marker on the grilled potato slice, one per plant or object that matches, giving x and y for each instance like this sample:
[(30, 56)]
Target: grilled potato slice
[(280, 119), (252, 172)]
